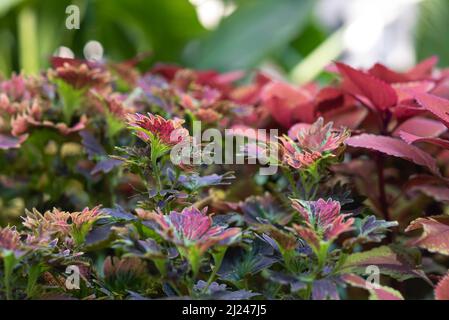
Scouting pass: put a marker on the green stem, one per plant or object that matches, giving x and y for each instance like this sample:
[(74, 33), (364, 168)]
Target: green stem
[(322, 255), (155, 168), (218, 259), (292, 183), (175, 288), (160, 265), (308, 293)]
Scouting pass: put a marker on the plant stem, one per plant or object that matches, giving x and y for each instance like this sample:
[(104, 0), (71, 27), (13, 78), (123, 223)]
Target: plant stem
[(292, 183), (156, 172), (308, 293), (218, 259), (381, 184)]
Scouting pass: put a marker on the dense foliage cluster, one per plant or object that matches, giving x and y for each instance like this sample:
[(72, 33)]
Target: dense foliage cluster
[(357, 208)]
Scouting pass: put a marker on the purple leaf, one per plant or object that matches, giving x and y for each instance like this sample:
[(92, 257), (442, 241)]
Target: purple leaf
[(106, 165), (371, 230), (119, 213), (324, 289), (10, 142), (91, 144)]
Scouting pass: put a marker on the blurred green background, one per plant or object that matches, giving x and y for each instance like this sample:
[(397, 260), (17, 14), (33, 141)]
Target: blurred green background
[(297, 38)]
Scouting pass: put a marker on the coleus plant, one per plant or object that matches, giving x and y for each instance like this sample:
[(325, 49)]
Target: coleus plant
[(340, 219)]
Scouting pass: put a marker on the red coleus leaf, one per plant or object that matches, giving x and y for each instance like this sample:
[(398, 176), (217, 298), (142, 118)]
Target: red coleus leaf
[(170, 132), (422, 127), (190, 227), (367, 88), (329, 98), (422, 69), (442, 289), (419, 72), (408, 90), (394, 147), (350, 118), (57, 62), (435, 236), (439, 193), (377, 292), (386, 74), (323, 217), (407, 109), (436, 105), (411, 138), (288, 104)]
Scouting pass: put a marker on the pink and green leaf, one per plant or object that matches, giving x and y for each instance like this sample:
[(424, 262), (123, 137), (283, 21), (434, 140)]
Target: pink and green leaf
[(377, 292), (389, 262), (435, 235)]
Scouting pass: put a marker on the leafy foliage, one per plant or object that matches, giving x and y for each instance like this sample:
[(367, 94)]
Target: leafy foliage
[(88, 150)]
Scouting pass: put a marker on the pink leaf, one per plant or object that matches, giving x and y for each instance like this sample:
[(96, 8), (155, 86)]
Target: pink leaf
[(350, 118), (422, 127), (408, 90), (381, 95), (407, 109), (382, 72), (411, 138), (435, 236), (295, 129), (378, 292), (418, 72), (394, 147), (436, 105), (288, 104), (442, 289), (422, 69)]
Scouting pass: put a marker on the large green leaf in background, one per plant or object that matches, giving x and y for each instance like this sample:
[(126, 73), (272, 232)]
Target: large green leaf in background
[(33, 29), (164, 27), (432, 32), (256, 29)]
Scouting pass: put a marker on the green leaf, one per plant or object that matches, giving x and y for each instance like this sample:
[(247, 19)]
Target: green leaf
[(432, 24), (71, 99), (34, 273), (254, 30), (164, 27), (9, 263), (115, 125), (6, 5), (28, 42)]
